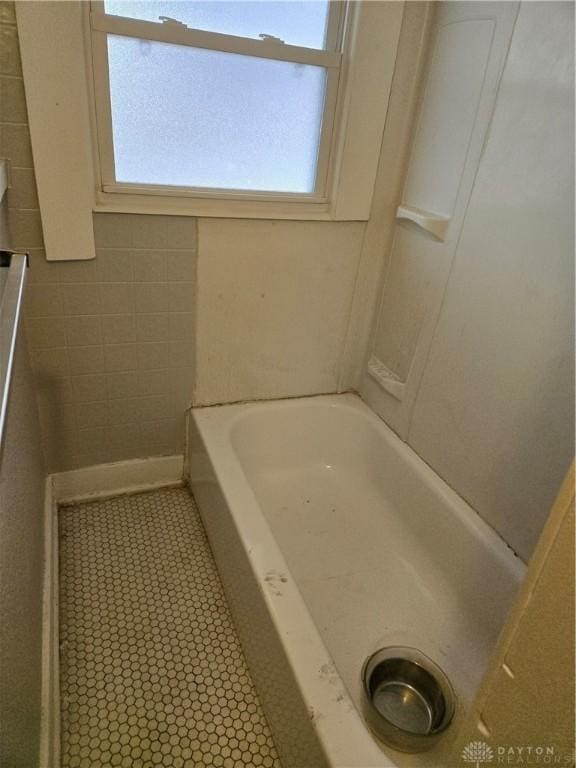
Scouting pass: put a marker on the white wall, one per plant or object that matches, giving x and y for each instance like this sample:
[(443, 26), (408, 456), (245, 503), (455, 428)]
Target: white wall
[(273, 304), (493, 413)]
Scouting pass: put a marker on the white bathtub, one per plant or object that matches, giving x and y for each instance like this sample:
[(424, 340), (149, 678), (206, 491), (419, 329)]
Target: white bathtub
[(334, 539)]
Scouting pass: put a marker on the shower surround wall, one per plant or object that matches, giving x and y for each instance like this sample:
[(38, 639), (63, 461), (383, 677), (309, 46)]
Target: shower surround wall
[(489, 396)]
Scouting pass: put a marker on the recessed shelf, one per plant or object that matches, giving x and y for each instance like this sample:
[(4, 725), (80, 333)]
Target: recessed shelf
[(387, 380)]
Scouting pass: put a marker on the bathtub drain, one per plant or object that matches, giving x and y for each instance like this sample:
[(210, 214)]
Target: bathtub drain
[(408, 700)]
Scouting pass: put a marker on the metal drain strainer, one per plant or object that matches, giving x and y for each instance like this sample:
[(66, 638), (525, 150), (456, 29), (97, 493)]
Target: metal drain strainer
[(408, 700)]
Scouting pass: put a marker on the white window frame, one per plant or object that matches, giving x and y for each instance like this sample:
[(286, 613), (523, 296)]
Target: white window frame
[(329, 58), (61, 100)]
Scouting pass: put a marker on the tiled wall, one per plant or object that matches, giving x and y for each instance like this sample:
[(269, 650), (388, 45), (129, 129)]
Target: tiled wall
[(111, 339), (112, 342)]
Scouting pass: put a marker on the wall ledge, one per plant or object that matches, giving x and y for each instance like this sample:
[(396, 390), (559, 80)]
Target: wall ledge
[(117, 478)]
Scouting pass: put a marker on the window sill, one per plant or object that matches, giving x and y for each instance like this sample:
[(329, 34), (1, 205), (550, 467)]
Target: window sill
[(107, 202)]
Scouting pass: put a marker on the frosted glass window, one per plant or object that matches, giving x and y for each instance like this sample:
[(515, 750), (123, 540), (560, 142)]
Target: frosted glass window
[(298, 22), (191, 117)]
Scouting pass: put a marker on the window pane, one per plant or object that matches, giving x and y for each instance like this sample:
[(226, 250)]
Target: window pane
[(189, 117), (298, 22)]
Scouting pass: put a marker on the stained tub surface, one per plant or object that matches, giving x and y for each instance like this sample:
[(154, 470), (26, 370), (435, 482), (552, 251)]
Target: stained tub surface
[(351, 544)]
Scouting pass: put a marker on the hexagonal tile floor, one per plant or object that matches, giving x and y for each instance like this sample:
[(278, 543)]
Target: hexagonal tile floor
[(152, 672)]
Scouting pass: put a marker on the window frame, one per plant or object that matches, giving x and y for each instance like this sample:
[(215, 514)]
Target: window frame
[(100, 25)]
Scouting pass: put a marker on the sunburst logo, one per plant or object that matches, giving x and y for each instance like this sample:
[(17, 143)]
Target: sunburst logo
[(477, 752)]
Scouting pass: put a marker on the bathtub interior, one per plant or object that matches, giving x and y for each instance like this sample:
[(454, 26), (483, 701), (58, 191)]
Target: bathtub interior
[(382, 551)]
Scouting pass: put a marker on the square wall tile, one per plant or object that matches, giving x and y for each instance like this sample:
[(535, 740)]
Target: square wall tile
[(61, 452), (46, 332), (124, 411), (81, 299), (93, 414), (50, 364), (89, 387), (22, 191), (151, 297), (181, 354), (124, 442), (181, 386), (128, 230), (15, 144), (154, 408), (181, 296), (40, 270), (164, 437), (56, 412), (86, 360), (149, 267), (78, 271), (153, 355), (26, 229), (7, 12), (122, 384), (118, 329), (56, 417), (115, 266), (181, 326), (83, 330), (181, 266), (117, 298), (43, 300), (153, 382), (153, 327), (91, 446), (120, 357), (9, 51), (13, 100)]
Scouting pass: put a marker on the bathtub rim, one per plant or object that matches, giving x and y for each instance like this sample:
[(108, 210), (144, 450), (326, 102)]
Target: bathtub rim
[(223, 419)]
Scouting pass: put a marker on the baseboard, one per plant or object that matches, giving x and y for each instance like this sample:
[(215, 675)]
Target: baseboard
[(50, 697), (118, 478)]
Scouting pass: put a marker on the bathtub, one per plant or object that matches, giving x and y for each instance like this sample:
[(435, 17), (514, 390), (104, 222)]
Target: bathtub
[(334, 539)]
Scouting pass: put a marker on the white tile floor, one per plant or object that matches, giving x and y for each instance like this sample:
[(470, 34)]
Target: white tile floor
[(152, 672)]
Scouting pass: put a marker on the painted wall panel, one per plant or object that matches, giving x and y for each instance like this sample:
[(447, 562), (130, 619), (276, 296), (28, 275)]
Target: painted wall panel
[(273, 306)]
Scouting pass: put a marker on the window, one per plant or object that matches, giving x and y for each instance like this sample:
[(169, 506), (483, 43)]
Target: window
[(205, 112), (201, 97)]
